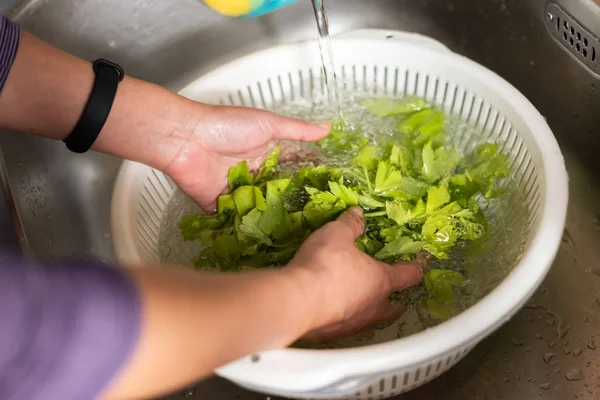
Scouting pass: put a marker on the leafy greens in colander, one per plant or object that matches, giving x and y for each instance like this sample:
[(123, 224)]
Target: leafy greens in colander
[(417, 192)]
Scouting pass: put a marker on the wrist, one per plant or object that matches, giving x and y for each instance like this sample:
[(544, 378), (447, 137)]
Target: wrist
[(310, 303), (147, 124)]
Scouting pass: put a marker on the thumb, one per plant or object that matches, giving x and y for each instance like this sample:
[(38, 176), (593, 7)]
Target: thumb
[(350, 225), (404, 275), (285, 128)]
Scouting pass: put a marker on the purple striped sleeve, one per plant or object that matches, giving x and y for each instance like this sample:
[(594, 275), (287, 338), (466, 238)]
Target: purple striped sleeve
[(66, 330), (9, 43)]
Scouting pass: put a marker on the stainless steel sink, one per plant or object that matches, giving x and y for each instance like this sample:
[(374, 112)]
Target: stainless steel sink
[(61, 201)]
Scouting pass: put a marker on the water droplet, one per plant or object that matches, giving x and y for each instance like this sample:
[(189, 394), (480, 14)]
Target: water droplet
[(577, 351), (574, 375), (538, 336), (567, 351), (585, 319), (591, 345), (531, 380), (517, 341), (545, 386), (550, 322), (189, 392), (551, 344), (527, 349), (112, 43), (550, 359), (556, 370), (562, 330)]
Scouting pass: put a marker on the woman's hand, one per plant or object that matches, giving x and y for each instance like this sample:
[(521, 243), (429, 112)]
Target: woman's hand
[(223, 136), (192, 142), (195, 322), (352, 287)]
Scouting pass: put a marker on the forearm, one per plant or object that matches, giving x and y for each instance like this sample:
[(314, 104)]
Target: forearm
[(46, 92), (218, 318), (137, 333)]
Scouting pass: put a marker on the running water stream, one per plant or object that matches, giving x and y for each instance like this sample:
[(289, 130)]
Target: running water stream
[(329, 74)]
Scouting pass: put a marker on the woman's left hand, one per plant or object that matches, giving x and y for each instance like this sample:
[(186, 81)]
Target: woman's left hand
[(223, 136), (194, 143)]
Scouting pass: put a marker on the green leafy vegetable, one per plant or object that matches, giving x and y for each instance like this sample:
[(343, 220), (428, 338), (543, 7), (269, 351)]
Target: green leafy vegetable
[(436, 198), (250, 230), (225, 203), (402, 213), (239, 176), (268, 169), (402, 247), (385, 107), (438, 163), (418, 194), (322, 208), (192, 226), (426, 125), (243, 197), (441, 286), (387, 178), (275, 221)]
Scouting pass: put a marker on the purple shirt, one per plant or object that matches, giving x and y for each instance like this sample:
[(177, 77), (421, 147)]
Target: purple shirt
[(66, 329), (9, 42)]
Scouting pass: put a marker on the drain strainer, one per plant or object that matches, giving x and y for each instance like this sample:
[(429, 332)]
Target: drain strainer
[(575, 38)]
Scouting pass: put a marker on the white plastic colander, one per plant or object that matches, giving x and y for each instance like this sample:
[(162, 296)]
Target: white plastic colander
[(396, 63)]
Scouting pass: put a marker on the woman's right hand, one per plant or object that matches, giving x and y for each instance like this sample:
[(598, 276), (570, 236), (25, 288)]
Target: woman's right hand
[(351, 290)]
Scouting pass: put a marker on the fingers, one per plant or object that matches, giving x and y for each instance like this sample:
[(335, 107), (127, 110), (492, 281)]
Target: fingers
[(351, 224), (284, 128), (404, 275)]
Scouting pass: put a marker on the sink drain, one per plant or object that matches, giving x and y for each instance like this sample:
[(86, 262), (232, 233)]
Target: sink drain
[(576, 39)]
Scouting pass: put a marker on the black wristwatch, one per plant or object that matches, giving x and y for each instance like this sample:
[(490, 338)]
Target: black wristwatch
[(97, 109)]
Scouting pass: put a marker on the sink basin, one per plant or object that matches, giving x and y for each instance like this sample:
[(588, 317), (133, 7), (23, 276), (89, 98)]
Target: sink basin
[(56, 204)]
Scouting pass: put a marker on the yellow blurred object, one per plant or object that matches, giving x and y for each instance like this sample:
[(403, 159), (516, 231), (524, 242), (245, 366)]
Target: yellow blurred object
[(233, 8)]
